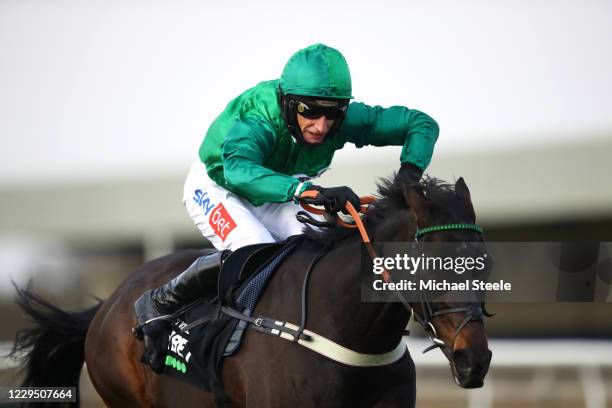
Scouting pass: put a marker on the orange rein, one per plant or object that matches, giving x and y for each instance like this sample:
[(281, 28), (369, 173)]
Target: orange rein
[(365, 200)]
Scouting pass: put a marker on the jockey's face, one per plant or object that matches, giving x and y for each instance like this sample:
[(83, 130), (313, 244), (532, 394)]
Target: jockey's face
[(314, 130)]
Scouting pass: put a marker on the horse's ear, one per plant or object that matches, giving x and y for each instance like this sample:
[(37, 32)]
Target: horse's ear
[(419, 207), (462, 191)]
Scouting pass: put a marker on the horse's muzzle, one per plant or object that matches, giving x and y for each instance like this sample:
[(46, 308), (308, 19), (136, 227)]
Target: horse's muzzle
[(469, 368)]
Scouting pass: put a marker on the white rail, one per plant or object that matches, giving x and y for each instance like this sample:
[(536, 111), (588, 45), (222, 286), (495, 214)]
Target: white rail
[(528, 353), (587, 356)]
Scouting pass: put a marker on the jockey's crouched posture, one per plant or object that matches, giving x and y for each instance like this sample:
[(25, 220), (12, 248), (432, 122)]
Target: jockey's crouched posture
[(262, 151)]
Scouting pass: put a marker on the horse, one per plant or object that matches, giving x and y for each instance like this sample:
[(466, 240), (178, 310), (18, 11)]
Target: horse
[(269, 371)]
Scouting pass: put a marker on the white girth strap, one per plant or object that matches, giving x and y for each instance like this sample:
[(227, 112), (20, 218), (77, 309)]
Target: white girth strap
[(341, 354)]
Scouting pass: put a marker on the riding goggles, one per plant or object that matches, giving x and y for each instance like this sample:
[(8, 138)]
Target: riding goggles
[(315, 108)]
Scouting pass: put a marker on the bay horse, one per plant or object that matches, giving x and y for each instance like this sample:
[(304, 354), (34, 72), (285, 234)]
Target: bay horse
[(269, 371)]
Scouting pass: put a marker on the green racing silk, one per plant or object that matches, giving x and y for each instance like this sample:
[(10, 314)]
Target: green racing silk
[(249, 151)]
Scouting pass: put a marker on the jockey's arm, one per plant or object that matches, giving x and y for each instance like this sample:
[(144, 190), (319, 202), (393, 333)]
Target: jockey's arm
[(394, 126), (244, 151)]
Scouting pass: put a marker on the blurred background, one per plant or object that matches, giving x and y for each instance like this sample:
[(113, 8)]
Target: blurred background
[(103, 106)]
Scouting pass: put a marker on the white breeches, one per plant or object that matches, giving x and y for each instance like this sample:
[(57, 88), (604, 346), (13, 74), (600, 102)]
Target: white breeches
[(231, 222)]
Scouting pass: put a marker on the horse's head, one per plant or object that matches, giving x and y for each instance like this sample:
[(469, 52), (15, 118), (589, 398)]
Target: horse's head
[(447, 215), (442, 213)]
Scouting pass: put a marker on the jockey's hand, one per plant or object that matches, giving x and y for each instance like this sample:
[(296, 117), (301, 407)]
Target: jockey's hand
[(337, 198), (410, 172)]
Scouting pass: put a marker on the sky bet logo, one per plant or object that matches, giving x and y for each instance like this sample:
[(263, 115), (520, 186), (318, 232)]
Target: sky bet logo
[(220, 220), (200, 199)]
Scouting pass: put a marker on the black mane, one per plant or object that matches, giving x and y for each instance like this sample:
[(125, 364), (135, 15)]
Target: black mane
[(390, 201)]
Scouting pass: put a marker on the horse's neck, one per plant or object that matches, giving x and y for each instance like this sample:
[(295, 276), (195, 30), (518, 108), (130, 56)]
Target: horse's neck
[(373, 327), (340, 313)]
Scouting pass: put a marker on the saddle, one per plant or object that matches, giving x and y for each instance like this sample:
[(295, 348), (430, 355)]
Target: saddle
[(201, 335)]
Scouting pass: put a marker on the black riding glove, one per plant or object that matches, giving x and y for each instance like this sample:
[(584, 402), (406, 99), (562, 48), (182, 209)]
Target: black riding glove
[(337, 197), (410, 172)]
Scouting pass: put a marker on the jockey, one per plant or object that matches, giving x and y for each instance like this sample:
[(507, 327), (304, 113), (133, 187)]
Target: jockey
[(262, 151)]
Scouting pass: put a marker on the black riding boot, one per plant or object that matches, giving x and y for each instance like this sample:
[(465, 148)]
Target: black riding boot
[(150, 308)]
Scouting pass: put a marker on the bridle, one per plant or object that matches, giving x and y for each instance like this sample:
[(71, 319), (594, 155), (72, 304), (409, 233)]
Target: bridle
[(473, 312)]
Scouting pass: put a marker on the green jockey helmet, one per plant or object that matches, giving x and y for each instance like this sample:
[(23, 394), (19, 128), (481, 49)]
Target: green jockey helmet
[(316, 81)]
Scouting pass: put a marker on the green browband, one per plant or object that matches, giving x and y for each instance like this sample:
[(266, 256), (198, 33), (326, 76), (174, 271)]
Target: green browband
[(448, 227)]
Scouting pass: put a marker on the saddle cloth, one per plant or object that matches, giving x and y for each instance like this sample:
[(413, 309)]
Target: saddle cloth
[(200, 336)]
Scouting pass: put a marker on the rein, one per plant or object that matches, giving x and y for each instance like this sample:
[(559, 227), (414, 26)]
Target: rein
[(473, 312), (328, 348)]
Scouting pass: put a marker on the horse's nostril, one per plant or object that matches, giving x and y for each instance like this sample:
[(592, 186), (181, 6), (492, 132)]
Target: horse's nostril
[(463, 362)]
